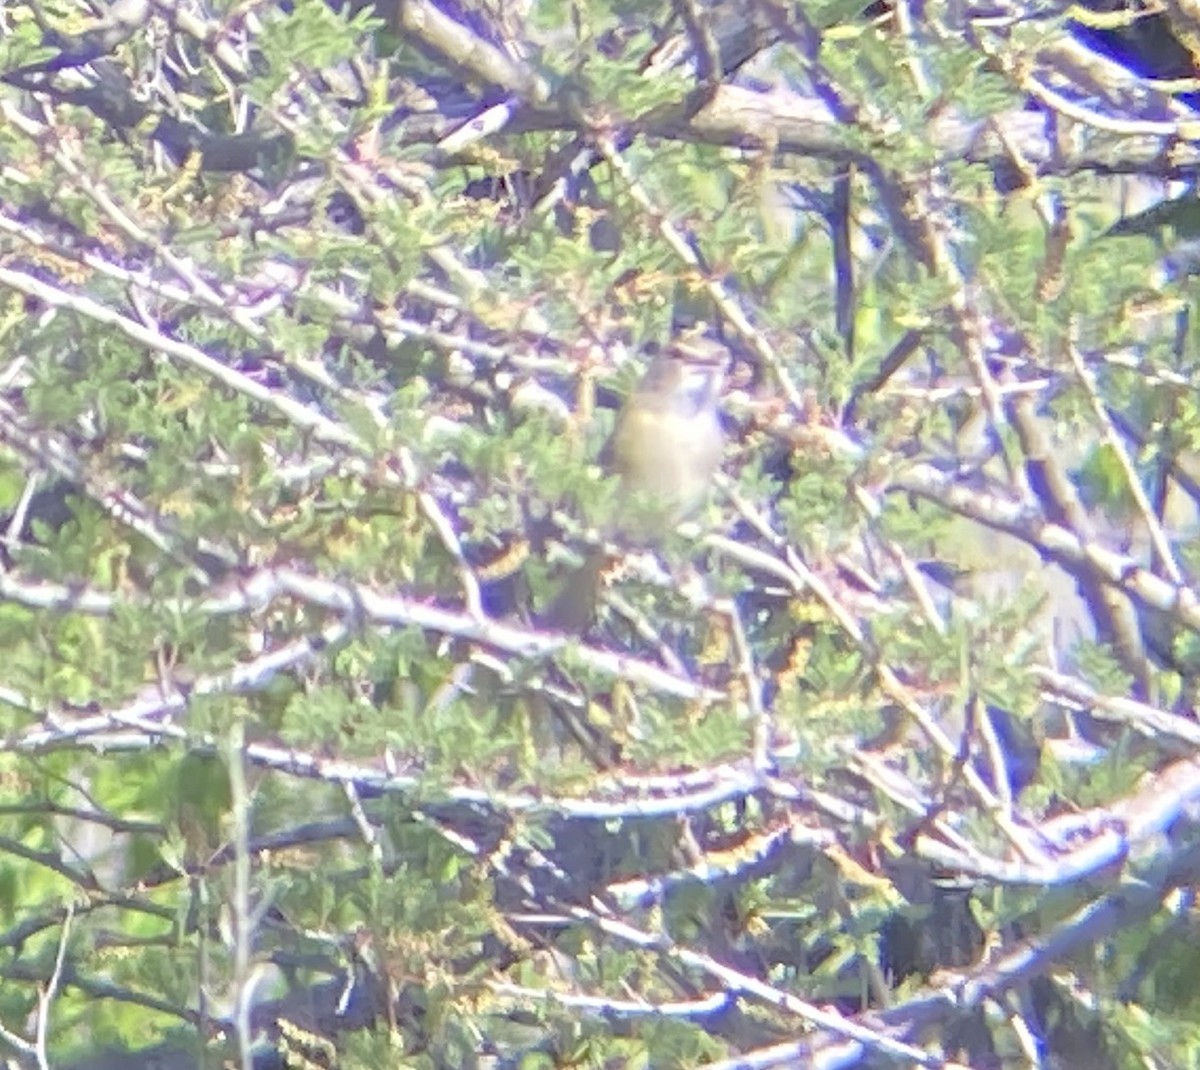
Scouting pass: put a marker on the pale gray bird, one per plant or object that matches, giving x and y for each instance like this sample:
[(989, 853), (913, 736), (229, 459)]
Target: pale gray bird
[(668, 442), (666, 447)]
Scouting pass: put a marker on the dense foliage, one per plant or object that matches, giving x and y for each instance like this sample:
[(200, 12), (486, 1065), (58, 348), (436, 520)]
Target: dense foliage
[(314, 323)]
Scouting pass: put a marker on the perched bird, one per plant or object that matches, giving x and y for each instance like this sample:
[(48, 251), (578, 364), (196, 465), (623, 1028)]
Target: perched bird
[(668, 442), (666, 447)]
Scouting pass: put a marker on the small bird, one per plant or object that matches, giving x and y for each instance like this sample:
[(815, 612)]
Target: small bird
[(668, 442), (666, 447)]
